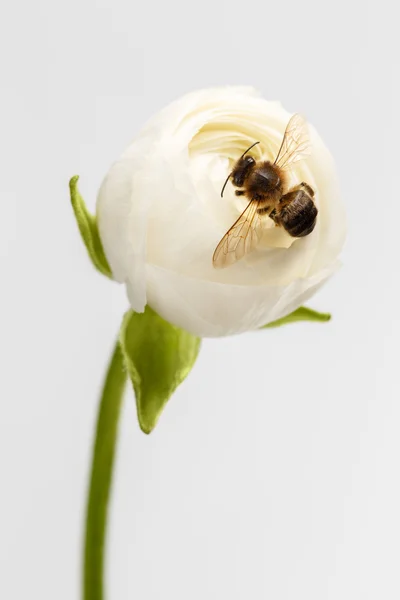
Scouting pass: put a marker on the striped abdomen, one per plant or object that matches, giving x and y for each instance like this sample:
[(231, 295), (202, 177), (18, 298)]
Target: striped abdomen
[(297, 214)]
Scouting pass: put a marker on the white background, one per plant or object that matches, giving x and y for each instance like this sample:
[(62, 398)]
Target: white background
[(274, 471)]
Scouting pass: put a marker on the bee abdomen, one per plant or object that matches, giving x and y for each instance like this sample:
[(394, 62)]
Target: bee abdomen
[(299, 214)]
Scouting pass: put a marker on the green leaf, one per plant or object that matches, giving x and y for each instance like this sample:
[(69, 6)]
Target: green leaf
[(158, 356), (88, 228), (301, 314)]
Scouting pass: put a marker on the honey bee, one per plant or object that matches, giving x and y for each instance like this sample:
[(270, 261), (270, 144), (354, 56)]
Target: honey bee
[(265, 185)]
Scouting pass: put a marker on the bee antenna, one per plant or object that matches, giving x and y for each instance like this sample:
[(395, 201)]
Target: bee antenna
[(248, 149), (224, 186), (244, 154)]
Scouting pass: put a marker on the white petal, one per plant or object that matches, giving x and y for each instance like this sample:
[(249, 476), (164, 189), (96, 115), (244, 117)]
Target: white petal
[(211, 309), (122, 212)]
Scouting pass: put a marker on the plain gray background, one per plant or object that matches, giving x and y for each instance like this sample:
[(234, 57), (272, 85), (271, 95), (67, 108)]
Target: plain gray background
[(277, 481)]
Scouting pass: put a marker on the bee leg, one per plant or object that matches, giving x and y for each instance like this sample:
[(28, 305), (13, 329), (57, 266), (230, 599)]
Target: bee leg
[(265, 210), (285, 200), (308, 188), (273, 216), (239, 193)]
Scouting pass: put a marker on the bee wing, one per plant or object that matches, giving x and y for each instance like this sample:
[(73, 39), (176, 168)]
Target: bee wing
[(240, 239), (295, 144)]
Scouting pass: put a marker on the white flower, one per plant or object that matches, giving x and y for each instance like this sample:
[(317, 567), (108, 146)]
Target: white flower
[(160, 216)]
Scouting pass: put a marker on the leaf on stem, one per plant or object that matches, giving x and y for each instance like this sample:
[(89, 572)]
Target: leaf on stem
[(158, 356), (301, 314), (88, 229)]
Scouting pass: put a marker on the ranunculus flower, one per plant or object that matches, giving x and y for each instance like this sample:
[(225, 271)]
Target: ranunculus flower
[(161, 216)]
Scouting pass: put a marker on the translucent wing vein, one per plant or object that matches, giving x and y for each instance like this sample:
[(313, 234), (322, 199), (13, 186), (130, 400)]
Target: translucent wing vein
[(295, 144), (240, 239)]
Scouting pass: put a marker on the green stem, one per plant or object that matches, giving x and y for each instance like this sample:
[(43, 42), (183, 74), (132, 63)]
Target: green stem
[(101, 477)]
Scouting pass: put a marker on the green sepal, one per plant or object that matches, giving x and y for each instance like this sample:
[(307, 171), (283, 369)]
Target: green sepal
[(87, 225), (158, 356), (301, 314)]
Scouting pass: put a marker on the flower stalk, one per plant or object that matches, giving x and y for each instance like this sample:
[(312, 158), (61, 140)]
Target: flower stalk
[(101, 477)]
